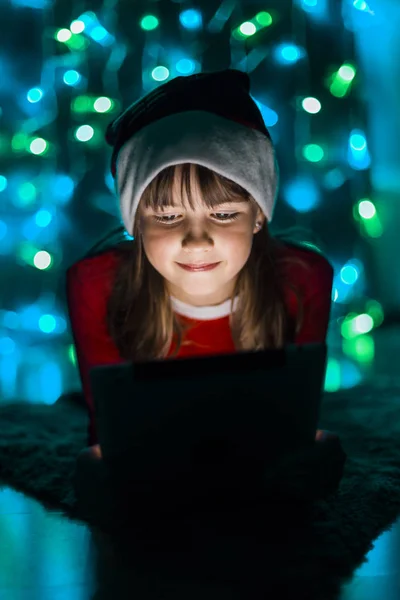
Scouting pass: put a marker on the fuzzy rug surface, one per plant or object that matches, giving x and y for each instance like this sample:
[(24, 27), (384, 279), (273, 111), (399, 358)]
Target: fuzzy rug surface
[(39, 445)]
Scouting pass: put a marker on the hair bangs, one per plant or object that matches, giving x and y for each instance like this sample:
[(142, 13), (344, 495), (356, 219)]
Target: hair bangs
[(188, 184)]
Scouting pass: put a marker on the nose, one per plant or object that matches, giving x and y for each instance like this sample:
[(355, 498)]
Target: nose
[(197, 241)]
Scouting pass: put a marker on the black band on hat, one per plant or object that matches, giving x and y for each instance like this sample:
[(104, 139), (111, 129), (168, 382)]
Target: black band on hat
[(225, 93)]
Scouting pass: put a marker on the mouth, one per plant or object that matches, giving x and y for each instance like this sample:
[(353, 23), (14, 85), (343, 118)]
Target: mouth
[(195, 268)]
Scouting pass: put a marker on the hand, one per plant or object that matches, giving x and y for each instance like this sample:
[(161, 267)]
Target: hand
[(323, 435)]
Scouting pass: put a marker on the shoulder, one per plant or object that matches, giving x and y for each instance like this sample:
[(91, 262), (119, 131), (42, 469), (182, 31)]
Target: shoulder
[(91, 279), (95, 266), (305, 265)]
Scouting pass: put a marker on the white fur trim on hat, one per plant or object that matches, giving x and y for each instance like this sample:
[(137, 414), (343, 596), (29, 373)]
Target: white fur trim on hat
[(240, 153)]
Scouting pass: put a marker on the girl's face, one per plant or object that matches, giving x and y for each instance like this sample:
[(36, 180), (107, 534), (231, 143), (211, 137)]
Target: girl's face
[(202, 235)]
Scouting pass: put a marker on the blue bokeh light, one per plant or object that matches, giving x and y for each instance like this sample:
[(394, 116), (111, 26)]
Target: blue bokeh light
[(185, 66), (43, 218), (72, 77), (34, 95), (3, 183), (302, 194), (191, 19), (62, 188), (288, 54)]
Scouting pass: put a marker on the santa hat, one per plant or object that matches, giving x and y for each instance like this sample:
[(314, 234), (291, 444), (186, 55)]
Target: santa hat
[(209, 119)]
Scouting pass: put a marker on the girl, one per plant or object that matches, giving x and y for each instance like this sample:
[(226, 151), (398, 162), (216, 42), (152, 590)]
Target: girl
[(197, 181)]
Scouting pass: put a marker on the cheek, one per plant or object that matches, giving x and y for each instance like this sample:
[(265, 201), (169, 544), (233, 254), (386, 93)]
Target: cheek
[(237, 245), (157, 249), (239, 251)]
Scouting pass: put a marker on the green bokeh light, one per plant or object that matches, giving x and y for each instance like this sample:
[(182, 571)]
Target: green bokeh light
[(149, 23), (313, 153), (332, 376)]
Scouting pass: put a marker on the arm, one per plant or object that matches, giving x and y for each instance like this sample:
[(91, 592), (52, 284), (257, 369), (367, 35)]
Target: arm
[(317, 303), (87, 296), (317, 308)]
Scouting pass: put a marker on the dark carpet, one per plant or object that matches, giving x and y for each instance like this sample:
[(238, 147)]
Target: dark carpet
[(309, 550)]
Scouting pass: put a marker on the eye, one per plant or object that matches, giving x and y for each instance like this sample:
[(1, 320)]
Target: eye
[(228, 218)]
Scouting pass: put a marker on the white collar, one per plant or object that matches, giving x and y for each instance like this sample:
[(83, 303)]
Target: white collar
[(204, 313)]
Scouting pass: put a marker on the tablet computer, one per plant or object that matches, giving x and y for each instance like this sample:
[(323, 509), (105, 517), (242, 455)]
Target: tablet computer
[(167, 414)]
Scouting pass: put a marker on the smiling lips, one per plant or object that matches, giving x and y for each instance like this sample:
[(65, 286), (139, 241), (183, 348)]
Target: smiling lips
[(204, 267)]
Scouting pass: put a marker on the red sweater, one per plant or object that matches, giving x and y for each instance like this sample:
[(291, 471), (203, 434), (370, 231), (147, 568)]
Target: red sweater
[(89, 284)]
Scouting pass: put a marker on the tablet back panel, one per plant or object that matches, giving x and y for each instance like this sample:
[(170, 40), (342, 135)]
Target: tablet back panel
[(257, 402)]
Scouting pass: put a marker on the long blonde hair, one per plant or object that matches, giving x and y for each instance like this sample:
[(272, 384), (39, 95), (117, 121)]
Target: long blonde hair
[(140, 318)]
